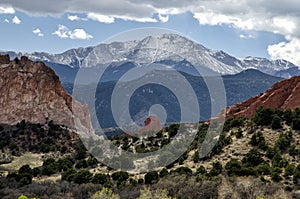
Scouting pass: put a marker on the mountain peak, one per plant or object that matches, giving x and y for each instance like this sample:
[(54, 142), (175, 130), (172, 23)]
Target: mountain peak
[(168, 46)]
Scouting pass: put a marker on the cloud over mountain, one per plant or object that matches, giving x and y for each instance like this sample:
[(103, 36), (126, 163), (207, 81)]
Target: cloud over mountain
[(6, 10), (281, 17), (63, 32)]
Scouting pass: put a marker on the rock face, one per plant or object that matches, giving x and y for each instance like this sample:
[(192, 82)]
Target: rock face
[(152, 123), (282, 95), (31, 91)]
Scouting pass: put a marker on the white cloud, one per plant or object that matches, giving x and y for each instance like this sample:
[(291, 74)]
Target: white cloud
[(248, 36), (101, 18), (163, 18), (111, 19), (286, 50), (38, 32), (80, 34), (73, 18), (7, 10), (76, 18), (276, 17), (64, 32), (16, 20), (140, 19), (281, 17)]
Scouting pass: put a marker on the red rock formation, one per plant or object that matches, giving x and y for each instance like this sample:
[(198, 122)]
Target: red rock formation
[(4, 59), (152, 123), (33, 92), (282, 95)]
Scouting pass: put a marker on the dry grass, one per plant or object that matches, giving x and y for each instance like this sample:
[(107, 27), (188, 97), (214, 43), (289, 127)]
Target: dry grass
[(240, 146), (250, 187), (32, 159)]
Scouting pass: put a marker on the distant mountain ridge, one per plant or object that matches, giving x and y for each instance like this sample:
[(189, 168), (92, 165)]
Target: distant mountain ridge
[(171, 47), (238, 88)]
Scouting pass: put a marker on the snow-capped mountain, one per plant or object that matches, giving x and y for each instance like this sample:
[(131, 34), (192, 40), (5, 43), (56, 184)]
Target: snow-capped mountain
[(170, 47), (71, 58), (267, 66)]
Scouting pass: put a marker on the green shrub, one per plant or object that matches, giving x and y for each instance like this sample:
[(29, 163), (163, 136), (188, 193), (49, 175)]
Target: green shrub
[(263, 116), (25, 169), (183, 170), (158, 194), (140, 181), (288, 116), (293, 151), (237, 122), (164, 172), (275, 174), (264, 169), (248, 171), (196, 157), (278, 161), (216, 169), (284, 141), (83, 177), (22, 197), (92, 162), (151, 177), (105, 193), (36, 171), (276, 122), (80, 154), (253, 158), (258, 140), (173, 128), (296, 177), (100, 178), (49, 167), (239, 133), (65, 163), (69, 175), (120, 176), (201, 170), (133, 182), (81, 164), (233, 167), (271, 152), (25, 179), (289, 170), (140, 148), (296, 124)]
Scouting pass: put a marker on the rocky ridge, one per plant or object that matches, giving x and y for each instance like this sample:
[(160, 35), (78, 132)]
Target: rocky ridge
[(282, 95), (166, 47), (31, 91)]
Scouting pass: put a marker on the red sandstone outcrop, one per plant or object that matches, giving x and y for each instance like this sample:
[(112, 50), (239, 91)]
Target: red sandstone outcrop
[(282, 95), (152, 123), (33, 92)]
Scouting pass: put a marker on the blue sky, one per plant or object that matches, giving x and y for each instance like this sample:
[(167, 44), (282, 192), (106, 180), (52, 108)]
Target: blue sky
[(236, 27)]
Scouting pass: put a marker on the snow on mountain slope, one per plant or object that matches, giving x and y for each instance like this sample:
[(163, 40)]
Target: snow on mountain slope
[(266, 65), (156, 49)]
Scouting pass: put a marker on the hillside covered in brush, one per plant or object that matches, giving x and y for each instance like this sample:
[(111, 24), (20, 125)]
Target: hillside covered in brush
[(257, 157)]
